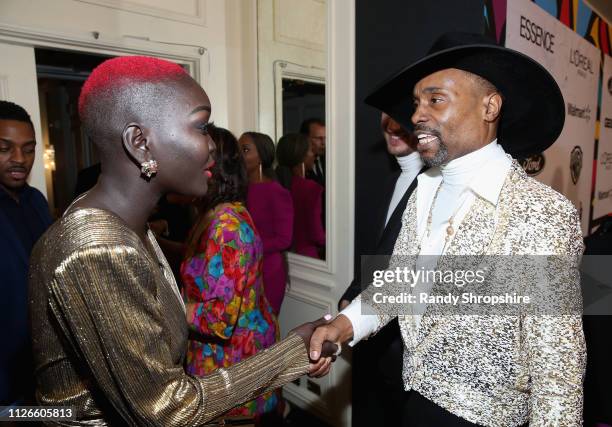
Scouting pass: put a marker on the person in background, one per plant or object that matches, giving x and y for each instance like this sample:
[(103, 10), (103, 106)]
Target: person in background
[(228, 314), (314, 129), (295, 156), (24, 217), (271, 207)]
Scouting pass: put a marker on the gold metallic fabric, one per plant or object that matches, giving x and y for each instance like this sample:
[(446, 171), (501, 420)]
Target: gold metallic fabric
[(109, 333)]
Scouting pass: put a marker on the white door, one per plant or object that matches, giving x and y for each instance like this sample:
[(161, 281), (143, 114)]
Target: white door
[(18, 84)]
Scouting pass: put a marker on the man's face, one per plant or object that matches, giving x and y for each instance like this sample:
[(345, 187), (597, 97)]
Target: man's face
[(317, 138), (399, 141), (17, 146), (449, 116)]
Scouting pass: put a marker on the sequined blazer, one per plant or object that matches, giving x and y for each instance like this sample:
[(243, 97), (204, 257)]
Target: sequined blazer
[(502, 370), (110, 334)]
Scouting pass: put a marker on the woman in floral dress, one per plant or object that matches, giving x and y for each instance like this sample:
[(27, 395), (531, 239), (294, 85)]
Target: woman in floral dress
[(229, 316)]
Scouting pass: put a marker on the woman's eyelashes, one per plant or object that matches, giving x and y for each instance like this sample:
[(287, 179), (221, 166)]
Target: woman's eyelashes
[(206, 127)]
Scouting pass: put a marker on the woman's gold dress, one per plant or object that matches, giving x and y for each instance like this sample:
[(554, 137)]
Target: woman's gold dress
[(109, 333)]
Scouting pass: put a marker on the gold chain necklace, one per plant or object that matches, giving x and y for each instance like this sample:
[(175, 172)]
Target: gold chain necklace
[(450, 229)]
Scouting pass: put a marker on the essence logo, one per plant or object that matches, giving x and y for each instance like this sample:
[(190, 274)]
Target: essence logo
[(582, 62), (535, 34), (533, 165), (581, 113)]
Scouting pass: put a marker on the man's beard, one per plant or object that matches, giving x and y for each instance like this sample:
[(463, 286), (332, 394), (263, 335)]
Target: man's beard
[(439, 158)]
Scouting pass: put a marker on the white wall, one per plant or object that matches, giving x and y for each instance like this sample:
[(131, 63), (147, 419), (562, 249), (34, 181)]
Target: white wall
[(294, 31)]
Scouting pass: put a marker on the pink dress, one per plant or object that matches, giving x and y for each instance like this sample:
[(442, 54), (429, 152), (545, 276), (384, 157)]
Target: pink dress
[(308, 232), (271, 208)]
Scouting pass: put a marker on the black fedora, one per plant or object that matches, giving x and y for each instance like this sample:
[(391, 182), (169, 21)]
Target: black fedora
[(533, 112)]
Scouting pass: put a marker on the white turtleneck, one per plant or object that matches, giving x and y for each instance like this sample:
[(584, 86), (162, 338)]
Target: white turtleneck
[(410, 166), (459, 181), (479, 173)]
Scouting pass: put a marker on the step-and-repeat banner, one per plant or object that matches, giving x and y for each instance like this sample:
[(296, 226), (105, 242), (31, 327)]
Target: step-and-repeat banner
[(567, 166), (602, 203)]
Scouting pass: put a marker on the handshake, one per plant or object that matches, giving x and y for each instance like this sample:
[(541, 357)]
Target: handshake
[(323, 339)]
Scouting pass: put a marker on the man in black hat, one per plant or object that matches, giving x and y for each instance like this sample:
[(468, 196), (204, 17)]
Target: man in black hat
[(474, 106)]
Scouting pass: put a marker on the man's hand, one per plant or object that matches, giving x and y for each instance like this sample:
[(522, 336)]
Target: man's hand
[(321, 366), (337, 331), (343, 304)]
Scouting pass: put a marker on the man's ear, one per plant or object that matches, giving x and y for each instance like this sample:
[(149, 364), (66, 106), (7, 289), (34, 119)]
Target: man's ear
[(493, 105), (135, 142)]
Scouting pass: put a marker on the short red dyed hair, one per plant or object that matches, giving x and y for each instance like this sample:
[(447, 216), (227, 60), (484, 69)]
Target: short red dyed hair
[(123, 70)]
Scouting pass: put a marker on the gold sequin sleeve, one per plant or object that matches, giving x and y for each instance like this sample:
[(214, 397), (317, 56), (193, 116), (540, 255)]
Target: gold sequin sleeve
[(127, 331)]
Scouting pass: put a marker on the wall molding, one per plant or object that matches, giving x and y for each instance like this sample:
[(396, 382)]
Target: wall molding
[(199, 18), (281, 37), (186, 55)]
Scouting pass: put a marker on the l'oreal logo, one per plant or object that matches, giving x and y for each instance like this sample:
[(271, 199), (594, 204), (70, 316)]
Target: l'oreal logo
[(582, 62)]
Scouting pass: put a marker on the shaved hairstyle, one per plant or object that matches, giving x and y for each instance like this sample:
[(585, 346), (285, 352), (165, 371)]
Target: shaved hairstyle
[(126, 89)]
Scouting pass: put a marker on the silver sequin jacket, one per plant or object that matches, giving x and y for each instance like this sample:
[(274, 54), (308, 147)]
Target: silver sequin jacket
[(503, 370)]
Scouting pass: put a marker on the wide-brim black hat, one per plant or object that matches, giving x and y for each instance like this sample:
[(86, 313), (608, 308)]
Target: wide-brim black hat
[(533, 110)]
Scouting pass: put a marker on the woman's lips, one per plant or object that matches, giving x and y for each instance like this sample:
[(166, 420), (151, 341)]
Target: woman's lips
[(207, 169)]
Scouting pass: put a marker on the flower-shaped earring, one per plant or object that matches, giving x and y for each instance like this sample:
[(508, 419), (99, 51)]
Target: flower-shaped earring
[(148, 168)]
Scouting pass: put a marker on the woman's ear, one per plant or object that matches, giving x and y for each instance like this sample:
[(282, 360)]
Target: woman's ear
[(135, 143)]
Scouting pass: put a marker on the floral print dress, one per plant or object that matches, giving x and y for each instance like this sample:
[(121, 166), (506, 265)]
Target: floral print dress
[(227, 311)]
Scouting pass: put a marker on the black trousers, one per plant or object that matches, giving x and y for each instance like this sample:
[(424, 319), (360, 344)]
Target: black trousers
[(421, 412)]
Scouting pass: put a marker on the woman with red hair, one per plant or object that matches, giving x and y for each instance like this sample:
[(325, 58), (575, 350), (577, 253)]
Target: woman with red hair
[(109, 330)]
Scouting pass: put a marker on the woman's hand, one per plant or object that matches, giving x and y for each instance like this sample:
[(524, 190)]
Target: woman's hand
[(321, 366)]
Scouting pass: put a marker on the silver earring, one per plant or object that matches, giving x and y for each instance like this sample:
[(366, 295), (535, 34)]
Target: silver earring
[(148, 168), (260, 177)]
